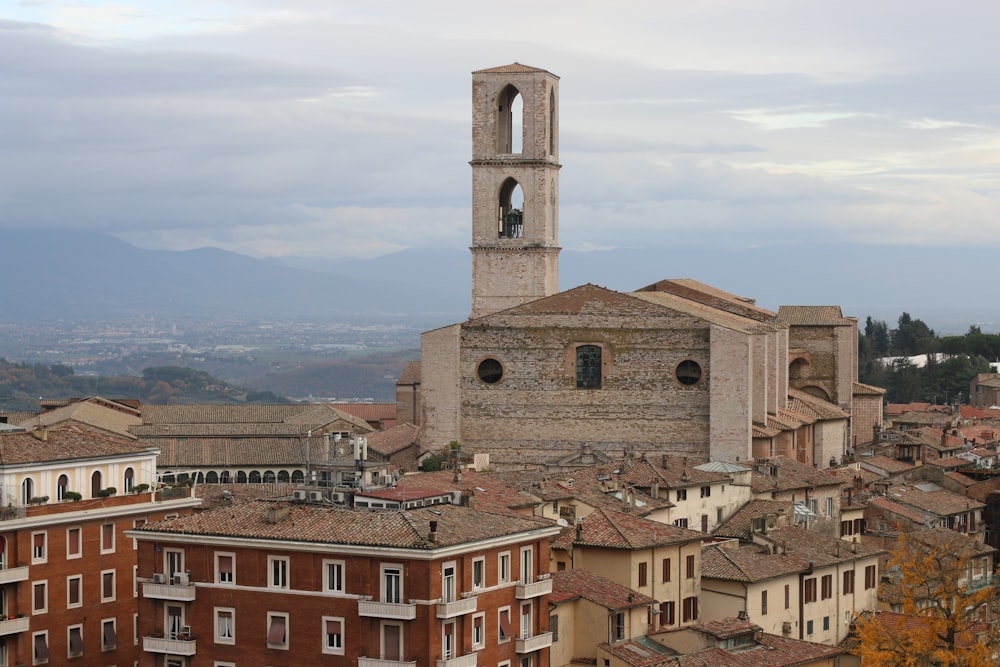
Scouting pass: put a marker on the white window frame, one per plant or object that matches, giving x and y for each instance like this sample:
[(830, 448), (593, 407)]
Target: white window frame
[(79, 603), (449, 652), (217, 626), (114, 585), (40, 610), (69, 631), (449, 582), (43, 555), (79, 554), (169, 556), (334, 650), (278, 573), (527, 565), (384, 571), (500, 638), (525, 621), (271, 615), (334, 584), (34, 659), (114, 625), (481, 564), (111, 549), (218, 570), (503, 567), (481, 643)]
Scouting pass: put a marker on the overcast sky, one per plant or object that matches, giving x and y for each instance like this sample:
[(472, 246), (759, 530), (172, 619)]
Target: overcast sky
[(330, 128)]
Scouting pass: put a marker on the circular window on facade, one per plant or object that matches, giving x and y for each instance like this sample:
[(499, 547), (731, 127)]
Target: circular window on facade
[(490, 371), (688, 372)]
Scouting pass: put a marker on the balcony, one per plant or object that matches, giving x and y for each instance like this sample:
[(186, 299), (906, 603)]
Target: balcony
[(179, 589), (379, 662), (396, 610), (172, 646), (977, 582), (529, 644), (461, 661), (534, 589), (457, 607), (12, 626), (9, 575)]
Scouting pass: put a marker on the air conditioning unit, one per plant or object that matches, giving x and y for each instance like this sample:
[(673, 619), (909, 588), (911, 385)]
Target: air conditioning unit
[(182, 579), (316, 496), (159, 578), (300, 494), (338, 496)]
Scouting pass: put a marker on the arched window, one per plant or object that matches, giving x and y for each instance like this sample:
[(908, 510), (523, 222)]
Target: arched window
[(510, 220), (283, 476), (27, 490), (510, 121), (62, 486), (200, 477), (225, 477), (241, 477), (255, 477), (269, 476), (128, 481), (588, 367), (212, 477), (298, 477), (96, 481)]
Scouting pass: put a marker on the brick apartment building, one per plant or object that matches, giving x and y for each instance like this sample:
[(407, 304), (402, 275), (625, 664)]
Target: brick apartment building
[(285, 582), (67, 571)]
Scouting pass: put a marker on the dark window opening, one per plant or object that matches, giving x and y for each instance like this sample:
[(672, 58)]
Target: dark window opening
[(490, 371), (688, 372), (588, 367), (510, 211)]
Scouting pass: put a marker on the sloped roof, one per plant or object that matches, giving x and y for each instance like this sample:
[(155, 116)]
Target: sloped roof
[(740, 524), (97, 413), (213, 413), (225, 452), (573, 584), (805, 403), (493, 492), (64, 443), (861, 389), (618, 530), (712, 296), (410, 374), (813, 316), (513, 68), (790, 475), (748, 564), (394, 439)]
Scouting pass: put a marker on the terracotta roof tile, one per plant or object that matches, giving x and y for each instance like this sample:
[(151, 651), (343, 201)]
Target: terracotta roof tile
[(394, 439), (617, 530), (513, 68), (64, 443), (572, 584), (813, 316)]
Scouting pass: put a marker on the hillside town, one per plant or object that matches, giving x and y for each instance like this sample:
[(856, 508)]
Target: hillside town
[(662, 477)]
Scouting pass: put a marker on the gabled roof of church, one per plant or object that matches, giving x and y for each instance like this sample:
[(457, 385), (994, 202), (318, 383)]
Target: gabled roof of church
[(712, 296), (813, 316), (513, 68)]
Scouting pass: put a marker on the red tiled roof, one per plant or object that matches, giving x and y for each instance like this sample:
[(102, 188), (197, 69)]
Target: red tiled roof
[(617, 530), (573, 584), (65, 443)]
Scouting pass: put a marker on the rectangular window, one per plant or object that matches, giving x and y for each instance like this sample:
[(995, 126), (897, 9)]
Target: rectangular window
[(449, 583), (667, 612), (225, 626), (74, 588), (845, 529), (392, 584), (74, 548), (689, 568), (39, 547), (588, 367), (809, 627), (809, 592), (554, 627), (869, 577), (107, 538), (826, 622), (478, 573), (277, 630), (278, 568), (826, 586), (690, 609), (682, 494), (504, 629), (618, 627), (225, 568), (333, 635), (333, 576), (848, 582), (763, 603), (665, 567), (829, 507), (527, 565), (503, 574), (681, 523), (108, 586), (642, 574), (173, 562), (706, 491), (788, 596), (109, 635), (479, 630), (39, 597), (40, 648), (74, 640)]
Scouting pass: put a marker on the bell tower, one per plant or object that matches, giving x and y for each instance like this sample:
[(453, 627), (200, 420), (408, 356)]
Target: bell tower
[(515, 187)]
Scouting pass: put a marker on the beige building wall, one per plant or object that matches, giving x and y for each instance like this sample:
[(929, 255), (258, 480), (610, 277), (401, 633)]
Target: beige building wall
[(439, 391), (731, 395)]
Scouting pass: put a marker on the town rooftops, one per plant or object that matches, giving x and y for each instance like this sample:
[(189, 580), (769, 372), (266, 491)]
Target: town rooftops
[(741, 524), (574, 584), (786, 474), (748, 564), (618, 530), (278, 521), (65, 443)]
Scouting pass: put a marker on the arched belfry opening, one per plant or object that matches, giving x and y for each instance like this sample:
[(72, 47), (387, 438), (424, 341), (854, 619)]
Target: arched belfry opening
[(552, 123), (510, 223), (510, 121)]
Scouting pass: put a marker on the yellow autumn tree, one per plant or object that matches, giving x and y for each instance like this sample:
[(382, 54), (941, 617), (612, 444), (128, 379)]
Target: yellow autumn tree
[(943, 605)]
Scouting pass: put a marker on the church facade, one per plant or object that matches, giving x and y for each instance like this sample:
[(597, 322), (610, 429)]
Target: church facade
[(536, 375)]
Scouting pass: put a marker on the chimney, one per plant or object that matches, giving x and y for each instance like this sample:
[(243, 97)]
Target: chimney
[(665, 463), (654, 490), (579, 530), (458, 476), (469, 498), (41, 434), (433, 536)]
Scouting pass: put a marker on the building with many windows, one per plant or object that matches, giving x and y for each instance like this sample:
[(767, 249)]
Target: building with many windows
[(284, 582), (67, 571)]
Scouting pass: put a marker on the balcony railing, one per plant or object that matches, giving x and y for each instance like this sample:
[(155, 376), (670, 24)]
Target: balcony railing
[(168, 591), (176, 646), (12, 626), (978, 582), (12, 574), (397, 610), (457, 607), (461, 661), (532, 590), (380, 662), (529, 644)]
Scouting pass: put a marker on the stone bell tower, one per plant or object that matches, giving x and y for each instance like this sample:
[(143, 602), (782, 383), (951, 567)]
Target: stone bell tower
[(515, 187)]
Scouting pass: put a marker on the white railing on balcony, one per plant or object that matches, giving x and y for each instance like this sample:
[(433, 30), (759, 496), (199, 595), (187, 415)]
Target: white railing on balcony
[(461, 661), (532, 590), (379, 662), (171, 646), (12, 626), (529, 644), (457, 607), (399, 611), (167, 591), (11, 574)]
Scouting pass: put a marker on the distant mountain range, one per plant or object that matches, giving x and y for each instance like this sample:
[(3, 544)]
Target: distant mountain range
[(49, 275)]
